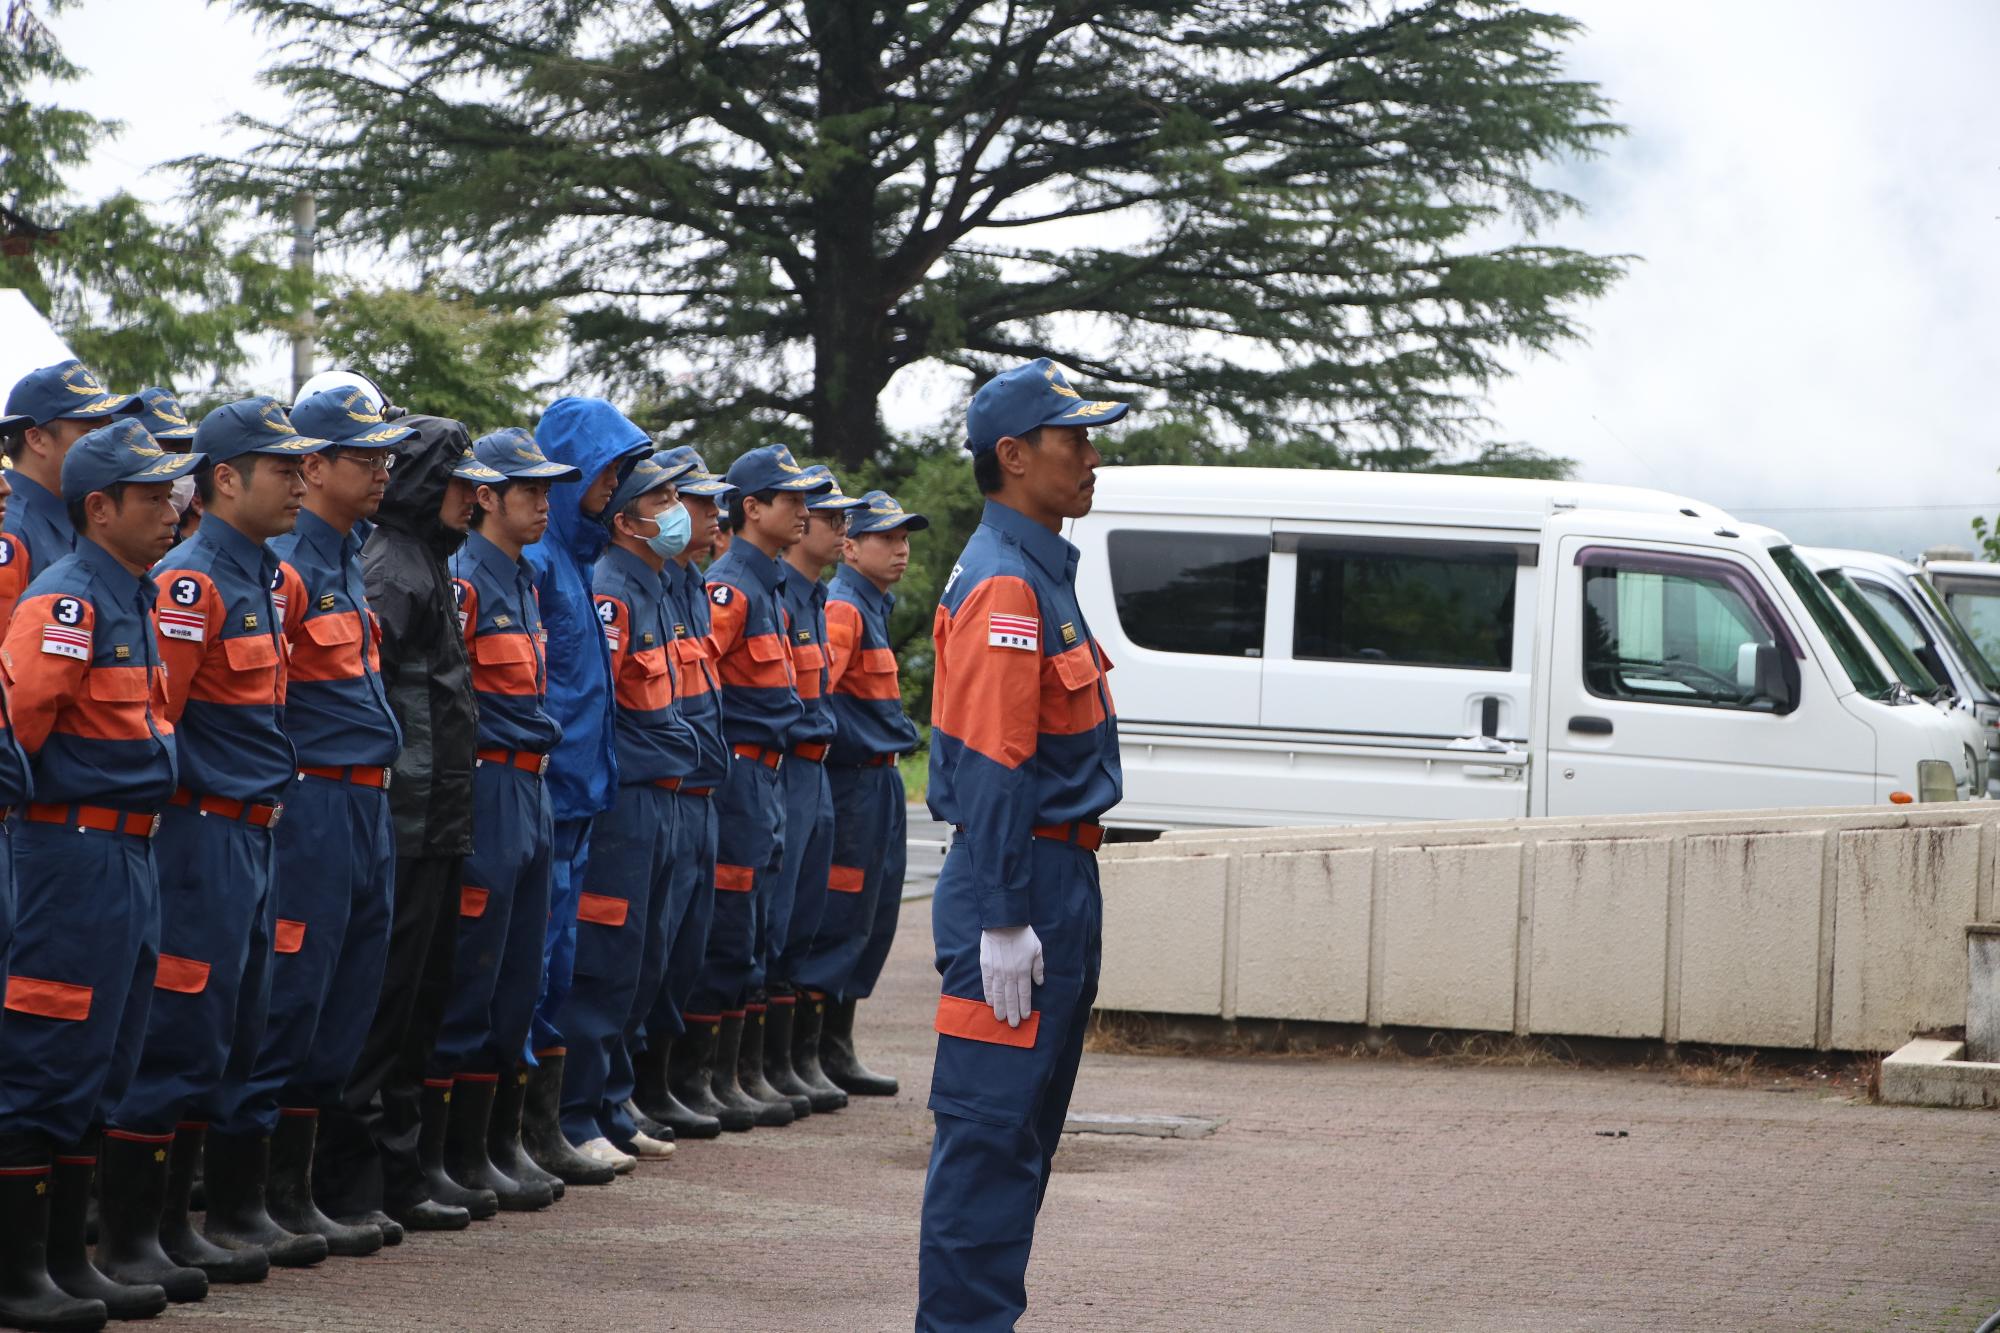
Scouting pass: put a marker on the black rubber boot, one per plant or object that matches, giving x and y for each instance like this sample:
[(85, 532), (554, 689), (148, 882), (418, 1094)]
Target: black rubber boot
[(178, 1237), (731, 1065), (69, 1253), (691, 1078), (479, 1204), (750, 1067), (837, 1057), (29, 1298), (503, 1134), (465, 1148), (391, 1229), (238, 1173), (289, 1193), (778, 1073), (427, 1214), (132, 1195), (826, 1095), (644, 1123), (541, 1127), (655, 1096)]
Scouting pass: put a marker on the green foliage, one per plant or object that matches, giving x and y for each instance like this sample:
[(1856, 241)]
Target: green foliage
[(438, 351), (1988, 537), (1276, 218), (142, 301)]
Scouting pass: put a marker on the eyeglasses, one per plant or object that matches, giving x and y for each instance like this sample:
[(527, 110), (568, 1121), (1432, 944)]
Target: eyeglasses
[(374, 460)]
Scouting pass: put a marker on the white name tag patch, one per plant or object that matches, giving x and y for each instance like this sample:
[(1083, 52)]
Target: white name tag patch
[(189, 625), (63, 642), (1002, 631)]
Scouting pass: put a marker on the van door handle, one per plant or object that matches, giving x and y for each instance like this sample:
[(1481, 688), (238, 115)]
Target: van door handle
[(1591, 726)]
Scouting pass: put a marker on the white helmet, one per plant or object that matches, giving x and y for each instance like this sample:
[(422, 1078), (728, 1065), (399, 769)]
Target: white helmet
[(342, 379)]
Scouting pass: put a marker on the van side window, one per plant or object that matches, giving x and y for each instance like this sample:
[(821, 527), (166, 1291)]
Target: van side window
[(1191, 592), (1449, 608), (1676, 637)]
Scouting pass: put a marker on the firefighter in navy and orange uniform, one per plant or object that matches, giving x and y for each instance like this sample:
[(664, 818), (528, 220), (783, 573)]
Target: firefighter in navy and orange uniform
[(61, 402), (166, 421), (801, 886), (870, 812), (760, 706), (221, 642), (336, 849), (670, 1084), (624, 915), (89, 700), (504, 905), (13, 569), (1024, 761), (13, 767)]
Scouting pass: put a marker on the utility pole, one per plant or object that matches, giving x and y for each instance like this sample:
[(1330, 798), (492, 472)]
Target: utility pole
[(305, 230)]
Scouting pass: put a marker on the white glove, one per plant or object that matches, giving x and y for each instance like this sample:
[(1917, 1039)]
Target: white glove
[(1010, 963)]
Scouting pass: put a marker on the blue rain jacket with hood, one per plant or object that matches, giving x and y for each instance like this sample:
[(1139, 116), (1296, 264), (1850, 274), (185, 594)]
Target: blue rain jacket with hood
[(588, 434)]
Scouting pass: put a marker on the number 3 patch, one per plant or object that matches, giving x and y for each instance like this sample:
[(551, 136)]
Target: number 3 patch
[(185, 591), (719, 594), (68, 611)]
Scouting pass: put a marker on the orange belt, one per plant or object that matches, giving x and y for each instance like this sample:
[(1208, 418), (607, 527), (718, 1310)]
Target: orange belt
[(768, 758), (97, 818), (537, 764), (671, 784), (697, 791), (360, 775), (879, 761), (1087, 836), (812, 750), (257, 816)]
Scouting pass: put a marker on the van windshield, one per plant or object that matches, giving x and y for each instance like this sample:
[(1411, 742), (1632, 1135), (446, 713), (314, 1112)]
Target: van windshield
[(1971, 653), (1848, 648), (1894, 651)]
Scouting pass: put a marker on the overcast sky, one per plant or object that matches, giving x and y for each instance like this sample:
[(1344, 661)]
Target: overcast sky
[(1813, 189)]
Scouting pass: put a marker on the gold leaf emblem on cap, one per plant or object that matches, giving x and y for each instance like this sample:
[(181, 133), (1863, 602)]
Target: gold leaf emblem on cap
[(170, 417), (1059, 382), (361, 398), (527, 455), (78, 379), (1088, 410), (272, 414)]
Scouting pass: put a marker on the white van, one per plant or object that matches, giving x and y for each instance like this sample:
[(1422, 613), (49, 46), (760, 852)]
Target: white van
[(1307, 647), (1971, 588), (1923, 624)]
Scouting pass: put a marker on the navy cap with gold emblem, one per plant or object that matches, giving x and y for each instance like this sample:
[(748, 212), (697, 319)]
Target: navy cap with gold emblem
[(696, 479), (513, 453), (119, 452), (164, 418), (773, 468), (1016, 401), (67, 391), (883, 514), (835, 499), (253, 426), (349, 416)]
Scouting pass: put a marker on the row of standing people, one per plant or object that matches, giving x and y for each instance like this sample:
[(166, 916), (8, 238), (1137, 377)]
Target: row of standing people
[(581, 850)]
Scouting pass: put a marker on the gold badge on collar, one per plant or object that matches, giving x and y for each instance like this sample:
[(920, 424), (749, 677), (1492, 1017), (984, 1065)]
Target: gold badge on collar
[(503, 621), (250, 621), (121, 652), (1069, 633), (326, 602)]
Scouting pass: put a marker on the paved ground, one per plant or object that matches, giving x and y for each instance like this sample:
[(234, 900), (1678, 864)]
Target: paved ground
[(1341, 1195)]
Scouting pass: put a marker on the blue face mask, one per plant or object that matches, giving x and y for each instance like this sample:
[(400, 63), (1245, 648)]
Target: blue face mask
[(672, 535)]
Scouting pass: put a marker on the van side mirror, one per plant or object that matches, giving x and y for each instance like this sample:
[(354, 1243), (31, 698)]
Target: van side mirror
[(1769, 675)]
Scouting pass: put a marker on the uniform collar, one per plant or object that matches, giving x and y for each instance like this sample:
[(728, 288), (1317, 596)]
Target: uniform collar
[(804, 588), (105, 569), (326, 541), (632, 567), (31, 494), (1047, 549), (254, 559), (767, 570), (870, 597), (494, 560)]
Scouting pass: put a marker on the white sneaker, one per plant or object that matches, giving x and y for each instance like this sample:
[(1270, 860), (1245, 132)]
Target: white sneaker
[(649, 1149), (600, 1150)]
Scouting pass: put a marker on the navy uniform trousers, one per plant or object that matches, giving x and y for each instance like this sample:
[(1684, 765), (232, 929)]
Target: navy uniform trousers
[(623, 918), (694, 889), (212, 990), (336, 872), (865, 882), (799, 901), (76, 1000), (502, 917), (750, 847), (1001, 1093)]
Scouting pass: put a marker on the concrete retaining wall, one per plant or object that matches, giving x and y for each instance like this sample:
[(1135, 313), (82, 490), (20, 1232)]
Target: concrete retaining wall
[(1829, 929)]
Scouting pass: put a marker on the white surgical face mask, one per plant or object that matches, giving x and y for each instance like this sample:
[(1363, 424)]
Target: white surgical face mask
[(183, 493)]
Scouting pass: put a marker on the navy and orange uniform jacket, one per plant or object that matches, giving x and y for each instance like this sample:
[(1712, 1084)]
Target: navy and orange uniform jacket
[(336, 709), (1023, 734), (804, 603), (696, 686), (746, 640), (654, 741), (37, 534), (501, 618), (86, 686), (222, 641), (867, 698)]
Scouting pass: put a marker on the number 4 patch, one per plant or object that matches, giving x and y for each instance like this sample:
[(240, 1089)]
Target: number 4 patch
[(719, 594)]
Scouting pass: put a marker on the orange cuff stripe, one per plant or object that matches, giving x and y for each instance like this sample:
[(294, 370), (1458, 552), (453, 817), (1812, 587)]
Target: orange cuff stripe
[(290, 937), (48, 999), (471, 901), (734, 879), (600, 909), (845, 879), (183, 976), (974, 1021)]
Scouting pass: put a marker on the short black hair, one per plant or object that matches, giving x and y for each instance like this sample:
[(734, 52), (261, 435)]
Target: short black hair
[(79, 521), (244, 465), (499, 488), (986, 466), (737, 516)]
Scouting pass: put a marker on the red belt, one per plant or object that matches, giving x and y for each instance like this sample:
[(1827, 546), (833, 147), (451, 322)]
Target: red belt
[(812, 750), (1087, 836), (768, 758), (360, 775), (697, 791), (671, 784), (98, 818), (537, 764), (258, 816), (879, 761)]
